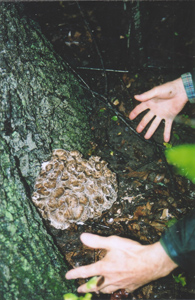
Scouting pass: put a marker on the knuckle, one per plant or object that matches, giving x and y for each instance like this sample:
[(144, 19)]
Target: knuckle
[(101, 267)]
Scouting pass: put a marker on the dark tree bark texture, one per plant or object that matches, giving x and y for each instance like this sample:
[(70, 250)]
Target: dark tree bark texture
[(42, 108)]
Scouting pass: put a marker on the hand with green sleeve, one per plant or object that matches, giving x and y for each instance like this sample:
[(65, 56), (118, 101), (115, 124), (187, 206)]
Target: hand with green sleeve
[(126, 265)]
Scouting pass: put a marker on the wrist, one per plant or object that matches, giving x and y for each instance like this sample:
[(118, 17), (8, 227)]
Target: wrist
[(163, 263)]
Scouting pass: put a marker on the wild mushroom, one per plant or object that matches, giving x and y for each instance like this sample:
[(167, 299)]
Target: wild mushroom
[(71, 189)]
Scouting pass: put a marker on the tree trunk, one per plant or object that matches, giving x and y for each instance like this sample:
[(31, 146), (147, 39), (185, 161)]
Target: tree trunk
[(136, 21), (42, 108)]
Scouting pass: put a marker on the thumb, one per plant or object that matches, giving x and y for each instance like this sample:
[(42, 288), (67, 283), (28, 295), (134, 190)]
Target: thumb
[(147, 95), (95, 241)]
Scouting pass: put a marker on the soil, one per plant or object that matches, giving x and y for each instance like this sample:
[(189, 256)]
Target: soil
[(150, 192)]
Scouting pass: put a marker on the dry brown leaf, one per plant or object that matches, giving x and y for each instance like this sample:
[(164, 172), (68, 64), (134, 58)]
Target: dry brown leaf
[(141, 211), (143, 238), (165, 214), (77, 34), (159, 178), (127, 80), (135, 226), (122, 108), (143, 175), (158, 226), (147, 291), (148, 206)]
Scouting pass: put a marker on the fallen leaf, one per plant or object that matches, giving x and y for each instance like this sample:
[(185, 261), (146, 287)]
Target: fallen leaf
[(147, 291), (77, 34), (148, 206), (143, 175), (122, 108), (159, 178), (165, 214), (158, 226), (141, 211), (116, 102)]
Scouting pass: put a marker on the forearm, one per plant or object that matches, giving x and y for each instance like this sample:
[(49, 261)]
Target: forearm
[(179, 242)]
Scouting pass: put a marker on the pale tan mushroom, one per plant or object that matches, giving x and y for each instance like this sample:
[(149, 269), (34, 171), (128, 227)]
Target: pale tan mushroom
[(71, 189)]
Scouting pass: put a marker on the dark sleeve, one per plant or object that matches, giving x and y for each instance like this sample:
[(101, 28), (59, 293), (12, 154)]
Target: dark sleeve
[(179, 242)]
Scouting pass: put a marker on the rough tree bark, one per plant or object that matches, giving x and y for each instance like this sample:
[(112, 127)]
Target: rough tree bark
[(42, 107)]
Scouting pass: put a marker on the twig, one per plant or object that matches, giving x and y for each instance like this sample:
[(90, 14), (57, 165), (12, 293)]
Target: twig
[(107, 70), (128, 36)]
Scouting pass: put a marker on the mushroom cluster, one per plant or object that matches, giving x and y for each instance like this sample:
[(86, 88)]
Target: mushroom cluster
[(71, 189)]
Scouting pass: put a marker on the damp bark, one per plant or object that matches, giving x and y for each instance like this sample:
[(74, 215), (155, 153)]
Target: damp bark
[(42, 107)]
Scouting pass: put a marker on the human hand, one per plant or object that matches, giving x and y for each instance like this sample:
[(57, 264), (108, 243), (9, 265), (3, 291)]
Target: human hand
[(164, 102), (126, 265)]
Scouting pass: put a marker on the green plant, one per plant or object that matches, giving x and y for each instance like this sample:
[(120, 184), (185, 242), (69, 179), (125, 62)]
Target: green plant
[(170, 222), (102, 109), (71, 296), (114, 118), (91, 284), (180, 279), (167, 145), (183, 158)]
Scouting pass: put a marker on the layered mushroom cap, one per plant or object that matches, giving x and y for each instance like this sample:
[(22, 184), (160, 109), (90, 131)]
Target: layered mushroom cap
[(71, 189)]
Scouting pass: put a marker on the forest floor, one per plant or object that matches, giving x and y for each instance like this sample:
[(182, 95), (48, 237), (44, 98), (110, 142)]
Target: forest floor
[(150, 193)]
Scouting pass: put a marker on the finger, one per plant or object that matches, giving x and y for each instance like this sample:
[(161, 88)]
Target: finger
[(105, 288), (153, 127), (96, 241), (137, 110), (83, 289), (109, 289), (148, 95), (167, 131), (145, 120), (85, 271), (162, 91), (92, 288), (108, 243)]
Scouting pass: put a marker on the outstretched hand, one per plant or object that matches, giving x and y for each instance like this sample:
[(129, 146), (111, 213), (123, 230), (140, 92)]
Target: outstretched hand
[(164, 102), (127, 264)]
